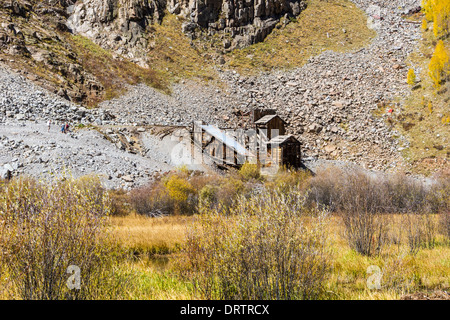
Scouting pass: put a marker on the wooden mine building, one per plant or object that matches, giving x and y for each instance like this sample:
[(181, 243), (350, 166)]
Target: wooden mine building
[(266, 143)]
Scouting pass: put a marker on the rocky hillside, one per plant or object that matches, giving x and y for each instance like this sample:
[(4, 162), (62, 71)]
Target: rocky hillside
[(94, 52), (336, 104), (86, 51), (122, 26), (35, 41)]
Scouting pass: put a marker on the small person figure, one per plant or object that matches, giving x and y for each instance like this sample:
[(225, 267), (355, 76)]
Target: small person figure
[(49, 123), (63, 128), (66, 129)]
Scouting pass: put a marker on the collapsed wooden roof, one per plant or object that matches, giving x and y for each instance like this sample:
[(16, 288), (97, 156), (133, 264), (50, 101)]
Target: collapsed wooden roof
[(226, 139), (266, 119), (283, 139)]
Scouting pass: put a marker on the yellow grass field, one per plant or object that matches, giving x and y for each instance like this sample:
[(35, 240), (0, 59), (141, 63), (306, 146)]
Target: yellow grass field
[(401, 271)]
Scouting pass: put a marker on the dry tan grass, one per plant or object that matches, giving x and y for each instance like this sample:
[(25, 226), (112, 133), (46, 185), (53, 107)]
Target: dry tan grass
[(320, 27), (427, 270), (150, 235)]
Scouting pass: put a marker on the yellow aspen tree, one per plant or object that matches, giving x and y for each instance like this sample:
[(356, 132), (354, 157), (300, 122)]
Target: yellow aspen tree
[(424, 24), (437, 11), (441, 17), (427, 9), (411, 77), (435, 73), (439, 64)]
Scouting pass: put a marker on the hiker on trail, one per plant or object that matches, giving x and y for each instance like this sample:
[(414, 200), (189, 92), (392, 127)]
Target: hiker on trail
[(49, 123), (63, 128), (66, 128)]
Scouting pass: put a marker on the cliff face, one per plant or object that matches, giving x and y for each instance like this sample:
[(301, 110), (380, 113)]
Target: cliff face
[(247, 21), (120, 25), (117, 25), (32, 43), (35, 42)]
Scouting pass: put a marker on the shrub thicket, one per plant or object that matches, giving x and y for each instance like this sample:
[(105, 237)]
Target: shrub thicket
[(45, 228), (179, 192), (421, 231), (444, 224), (152, 199), (363, 202), (268, 246), (341, 191)]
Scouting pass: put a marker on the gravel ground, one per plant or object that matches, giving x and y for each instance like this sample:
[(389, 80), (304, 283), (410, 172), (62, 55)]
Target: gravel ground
[(31, 150)]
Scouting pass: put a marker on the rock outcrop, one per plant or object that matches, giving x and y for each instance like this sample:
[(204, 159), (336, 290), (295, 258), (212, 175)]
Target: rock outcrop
[(246, 21), (117, 25), (121, 25), (32, 42)]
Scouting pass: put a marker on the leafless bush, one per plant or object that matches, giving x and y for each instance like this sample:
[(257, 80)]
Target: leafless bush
[(365, 232), (120, 205), (152, 199), (267, 246), (46, 229), (398, 193), (444, 221), (421, 231)]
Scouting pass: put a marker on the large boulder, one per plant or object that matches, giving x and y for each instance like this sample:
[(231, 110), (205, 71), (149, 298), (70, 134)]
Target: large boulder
[(6, 172)]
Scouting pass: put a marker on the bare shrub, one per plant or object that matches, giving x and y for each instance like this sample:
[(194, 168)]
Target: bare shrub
[(338, 190), (120, 205), (421, 231), (152, 200), (365, 232), (440, 192), (355, 198), (48, 227), (444, 222), (325, 188), (405, 194), (267, 247)]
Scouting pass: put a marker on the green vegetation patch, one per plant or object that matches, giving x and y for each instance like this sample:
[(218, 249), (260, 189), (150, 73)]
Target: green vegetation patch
[(111, 72), (336, 25), (425, 116)]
